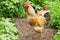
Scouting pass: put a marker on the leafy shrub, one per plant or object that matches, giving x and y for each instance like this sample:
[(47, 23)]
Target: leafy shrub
[(12, 8), (55, 13), (7, 30), (57, 36)]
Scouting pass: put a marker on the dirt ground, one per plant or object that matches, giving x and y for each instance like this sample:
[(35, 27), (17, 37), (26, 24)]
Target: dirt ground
[(28, 33)]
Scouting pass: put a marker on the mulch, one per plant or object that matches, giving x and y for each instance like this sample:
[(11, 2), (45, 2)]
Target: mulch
[(26, 32)]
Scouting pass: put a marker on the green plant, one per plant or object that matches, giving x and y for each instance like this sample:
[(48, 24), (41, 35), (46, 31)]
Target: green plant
[(55, 12), (7, 30), (12, 8), (57, 36)]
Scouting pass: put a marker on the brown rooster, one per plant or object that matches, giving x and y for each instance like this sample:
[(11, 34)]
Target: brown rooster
[(37, 21)]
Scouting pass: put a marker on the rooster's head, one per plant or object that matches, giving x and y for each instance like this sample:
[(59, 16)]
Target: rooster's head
[(27, 5)]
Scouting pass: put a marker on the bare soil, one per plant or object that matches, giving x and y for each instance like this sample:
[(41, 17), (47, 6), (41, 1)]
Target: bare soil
[(26, 32)]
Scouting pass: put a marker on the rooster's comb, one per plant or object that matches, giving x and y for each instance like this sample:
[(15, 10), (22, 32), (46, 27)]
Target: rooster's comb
[(27, 5)]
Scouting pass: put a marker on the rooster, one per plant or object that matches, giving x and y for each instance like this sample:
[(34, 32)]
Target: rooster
[(37, 21)]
